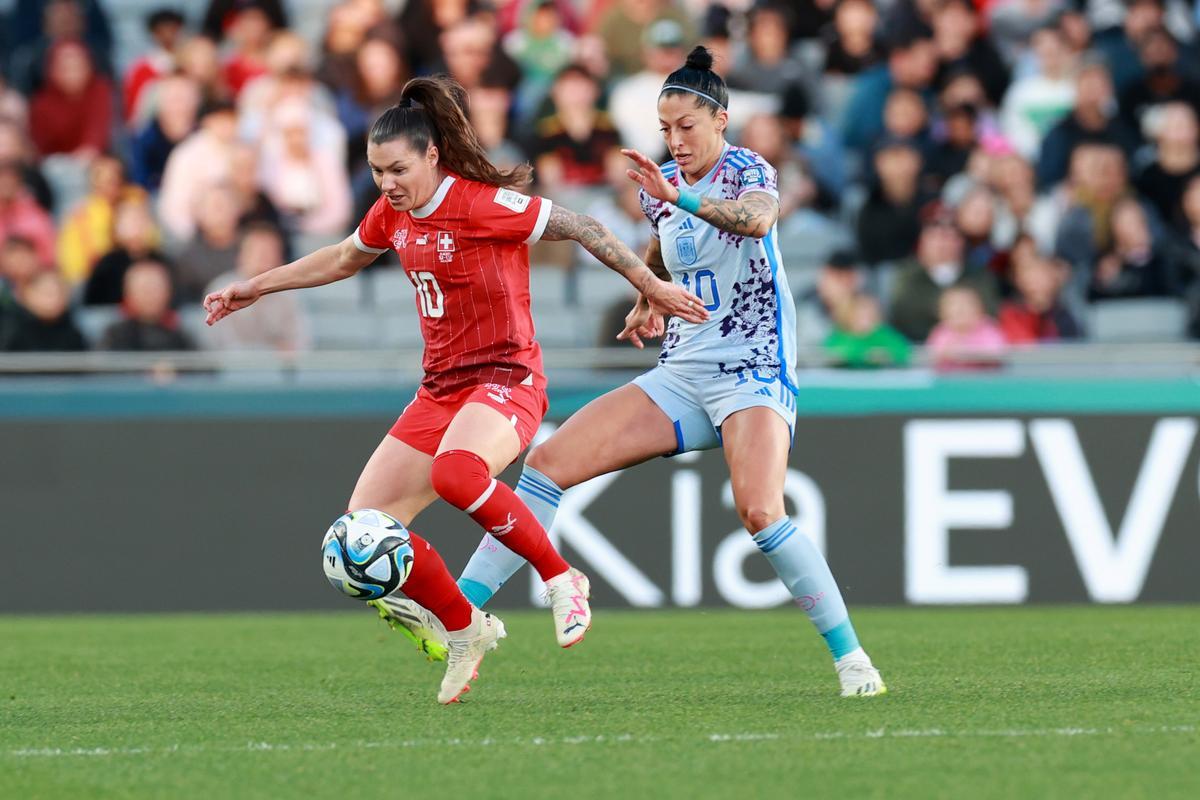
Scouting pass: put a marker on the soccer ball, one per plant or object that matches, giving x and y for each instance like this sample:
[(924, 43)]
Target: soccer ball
[(366, 554)]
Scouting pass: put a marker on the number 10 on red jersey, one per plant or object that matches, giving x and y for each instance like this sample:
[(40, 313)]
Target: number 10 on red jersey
[(429, 295)]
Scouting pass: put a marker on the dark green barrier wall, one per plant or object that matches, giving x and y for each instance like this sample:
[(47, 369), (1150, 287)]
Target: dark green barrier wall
[(152, 498)]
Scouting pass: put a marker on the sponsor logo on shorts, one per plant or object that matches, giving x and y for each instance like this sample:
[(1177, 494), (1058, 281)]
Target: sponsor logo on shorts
[(501, 394)]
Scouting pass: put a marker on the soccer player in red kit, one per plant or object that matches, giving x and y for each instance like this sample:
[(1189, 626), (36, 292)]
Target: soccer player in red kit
[(462, 234)]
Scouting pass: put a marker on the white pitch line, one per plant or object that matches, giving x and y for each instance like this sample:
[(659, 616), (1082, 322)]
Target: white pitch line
[(625, 738)]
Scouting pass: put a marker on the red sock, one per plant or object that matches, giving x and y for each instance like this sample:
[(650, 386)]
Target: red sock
[(463, 480), (431, 585)]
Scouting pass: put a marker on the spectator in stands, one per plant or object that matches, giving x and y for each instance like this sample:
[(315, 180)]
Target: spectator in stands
[(1120, 45), (1012, 23), (431, 20), (199, 60), (956, 33), (889, 222), (199, 162), (148, 323), (838, 281), (20, 215), (212, 251), (288, 81), (852, 44), (765, 63), (1185, 251), (15, 147), (938, 266), (472, 54), (176, 101), (13, 105), (72, 113), (633, 95), (222, 15), (541, 45), (249, 31), (965, 336), (165, 26), (135, 237), (308, 184), (765, 135), (488, 111), (253, 204), (1085, 231), (87, 232), (862, 340), (906, 117), (575, 144), (911, 64), (1137, 263), (1035, 102), (277, 322), (624, 29), (371, 85), (41, 321), (1163, 81), (36, 26), (1176, 160), (975, 218), (1036, 313), (1092, 119), (18, 264), (956, 140)]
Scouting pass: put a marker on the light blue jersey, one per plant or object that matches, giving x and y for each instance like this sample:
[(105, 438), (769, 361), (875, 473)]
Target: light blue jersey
[(752, 323)]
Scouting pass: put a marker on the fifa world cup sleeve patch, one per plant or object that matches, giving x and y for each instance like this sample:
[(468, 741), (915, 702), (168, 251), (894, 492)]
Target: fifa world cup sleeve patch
[(753, 176), (512, 200)]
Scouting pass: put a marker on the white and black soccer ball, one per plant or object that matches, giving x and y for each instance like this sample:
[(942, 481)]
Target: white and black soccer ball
[(366, 554)]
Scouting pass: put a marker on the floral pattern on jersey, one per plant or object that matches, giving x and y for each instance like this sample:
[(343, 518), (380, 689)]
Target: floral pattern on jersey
[(654, 209)]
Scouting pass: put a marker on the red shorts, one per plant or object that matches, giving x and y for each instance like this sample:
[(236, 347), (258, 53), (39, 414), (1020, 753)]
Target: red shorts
[(423, 423)]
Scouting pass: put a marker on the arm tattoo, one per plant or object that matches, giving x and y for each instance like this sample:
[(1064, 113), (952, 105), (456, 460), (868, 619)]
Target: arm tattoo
[(752, 215), (597, 240)]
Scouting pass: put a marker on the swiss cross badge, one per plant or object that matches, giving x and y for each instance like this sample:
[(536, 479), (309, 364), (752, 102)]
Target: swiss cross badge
[(445, 246), (400, 238)]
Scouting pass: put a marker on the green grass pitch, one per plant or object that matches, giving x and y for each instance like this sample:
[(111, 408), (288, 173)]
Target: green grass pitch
[(1013, 703)]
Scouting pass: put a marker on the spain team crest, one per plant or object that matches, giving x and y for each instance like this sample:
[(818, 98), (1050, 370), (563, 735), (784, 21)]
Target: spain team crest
[(685, 246)]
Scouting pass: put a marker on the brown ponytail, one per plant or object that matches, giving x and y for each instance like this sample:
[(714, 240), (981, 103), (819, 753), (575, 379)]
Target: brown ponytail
[(433, 111)]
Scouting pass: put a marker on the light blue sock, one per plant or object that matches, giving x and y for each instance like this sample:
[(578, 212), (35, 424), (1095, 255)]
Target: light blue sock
[(803, 570), (493, 563)]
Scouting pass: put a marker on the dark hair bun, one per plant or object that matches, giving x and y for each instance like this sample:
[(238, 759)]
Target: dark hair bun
[(700, 58)]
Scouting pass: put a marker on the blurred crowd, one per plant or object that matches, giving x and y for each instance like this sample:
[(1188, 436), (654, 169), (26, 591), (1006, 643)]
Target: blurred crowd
[(972, 175)]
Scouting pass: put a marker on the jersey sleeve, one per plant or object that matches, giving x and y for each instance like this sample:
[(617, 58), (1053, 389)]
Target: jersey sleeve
[(759, 176), (652, 208), (509, 216), (371, 235)]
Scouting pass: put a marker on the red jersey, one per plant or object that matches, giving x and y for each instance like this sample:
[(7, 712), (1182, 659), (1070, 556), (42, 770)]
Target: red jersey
[(467, 254)]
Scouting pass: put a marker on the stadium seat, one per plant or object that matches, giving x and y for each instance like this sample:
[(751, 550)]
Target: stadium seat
[(598, 288), (339, 330), (345, 295), (1150, 319), (548, 286), (388, 289)]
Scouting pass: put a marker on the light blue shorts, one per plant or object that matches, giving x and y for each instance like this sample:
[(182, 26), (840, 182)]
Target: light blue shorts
[(698, 406)]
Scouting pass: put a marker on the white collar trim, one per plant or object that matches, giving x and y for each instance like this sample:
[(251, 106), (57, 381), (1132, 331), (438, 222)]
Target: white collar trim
[(435, 201)]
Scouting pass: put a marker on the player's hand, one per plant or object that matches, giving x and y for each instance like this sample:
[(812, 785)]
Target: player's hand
[(650, 177), (672, 300), (641, 323), (233, 297)]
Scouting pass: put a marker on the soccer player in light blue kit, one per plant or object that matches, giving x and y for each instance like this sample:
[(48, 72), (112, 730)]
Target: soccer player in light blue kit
[(728, 382)]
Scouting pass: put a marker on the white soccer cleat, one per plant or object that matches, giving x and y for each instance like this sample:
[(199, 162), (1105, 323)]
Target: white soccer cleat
[(858, 675), (568, 595), (465, 649), (421, 627)]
